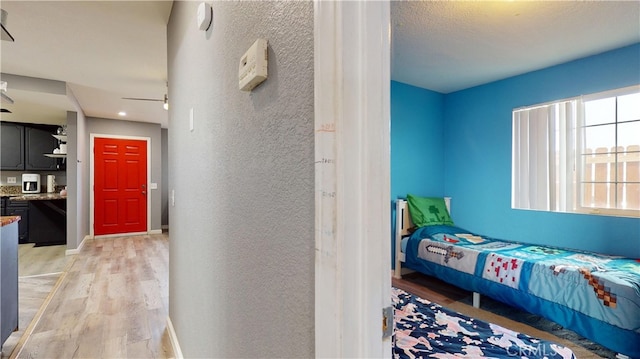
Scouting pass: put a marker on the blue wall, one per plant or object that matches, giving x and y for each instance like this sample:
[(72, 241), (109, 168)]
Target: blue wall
[(417, 130), (477, 132)]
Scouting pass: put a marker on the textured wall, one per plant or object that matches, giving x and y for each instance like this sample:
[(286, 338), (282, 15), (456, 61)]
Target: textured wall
[(141, 129), (73, 237), (164, 189), (242, 228), (77, 176)]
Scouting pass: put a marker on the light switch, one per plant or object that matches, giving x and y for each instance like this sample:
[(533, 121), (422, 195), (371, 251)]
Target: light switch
[(11, 180), (153, 185), (191, 119)]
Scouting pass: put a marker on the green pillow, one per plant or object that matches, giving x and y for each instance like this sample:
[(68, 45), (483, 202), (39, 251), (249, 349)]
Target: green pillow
[(428, 211)]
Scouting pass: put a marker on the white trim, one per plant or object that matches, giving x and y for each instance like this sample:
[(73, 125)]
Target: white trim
[(173, 339), (352, 111), (155, 231), (40, 275), (399, 258), (403, 224), (92, 137), (69, 252), (116, 235), (611, 93)]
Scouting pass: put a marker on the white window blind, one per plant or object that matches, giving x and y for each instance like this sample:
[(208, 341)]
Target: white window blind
[(544, 156), (579, 155)]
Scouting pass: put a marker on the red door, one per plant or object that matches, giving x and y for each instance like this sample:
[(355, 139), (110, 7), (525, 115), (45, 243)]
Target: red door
[(120, 180)]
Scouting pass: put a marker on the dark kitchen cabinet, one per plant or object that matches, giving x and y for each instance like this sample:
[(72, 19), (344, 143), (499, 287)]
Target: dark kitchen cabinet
[(20, 208), (38, 141), (23, 147), (12, 151), (48, 222)]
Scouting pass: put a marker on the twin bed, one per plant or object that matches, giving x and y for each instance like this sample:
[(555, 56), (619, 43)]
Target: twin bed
[(597, 296)]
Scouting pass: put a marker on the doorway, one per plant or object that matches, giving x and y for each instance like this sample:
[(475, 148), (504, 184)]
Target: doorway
[(119, 196), (352, 139)]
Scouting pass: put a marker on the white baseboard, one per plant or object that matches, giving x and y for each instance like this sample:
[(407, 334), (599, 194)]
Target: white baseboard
[(155, 231), (69, 252), (102, 236), (173, 339)]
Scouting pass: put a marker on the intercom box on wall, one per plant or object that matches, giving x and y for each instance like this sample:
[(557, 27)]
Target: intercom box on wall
[(253, 66)]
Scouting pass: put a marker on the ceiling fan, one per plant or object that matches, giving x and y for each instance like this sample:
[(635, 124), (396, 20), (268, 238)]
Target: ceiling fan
[(165, 100)]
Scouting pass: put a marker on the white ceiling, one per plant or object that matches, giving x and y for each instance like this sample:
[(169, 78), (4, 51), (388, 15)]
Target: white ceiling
[(106, 50), (447, 46), (103, 50)]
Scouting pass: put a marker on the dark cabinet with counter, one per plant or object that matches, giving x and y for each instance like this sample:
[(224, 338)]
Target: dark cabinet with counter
[(48, 222), (44, 219)]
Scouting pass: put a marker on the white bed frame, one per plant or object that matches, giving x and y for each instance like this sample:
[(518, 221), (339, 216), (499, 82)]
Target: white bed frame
[(403, 224)]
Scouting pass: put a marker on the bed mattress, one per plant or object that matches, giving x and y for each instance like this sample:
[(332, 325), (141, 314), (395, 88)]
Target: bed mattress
[(597, 296)]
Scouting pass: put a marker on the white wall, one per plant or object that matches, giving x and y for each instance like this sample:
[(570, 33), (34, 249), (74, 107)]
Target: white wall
[(242, 228)]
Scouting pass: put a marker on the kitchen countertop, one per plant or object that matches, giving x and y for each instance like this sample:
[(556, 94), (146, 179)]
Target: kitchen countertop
[(7, 220), (37, 197), (16, 191)]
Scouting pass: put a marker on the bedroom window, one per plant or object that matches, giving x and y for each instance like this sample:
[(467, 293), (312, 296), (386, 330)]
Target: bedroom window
[(579, 155)]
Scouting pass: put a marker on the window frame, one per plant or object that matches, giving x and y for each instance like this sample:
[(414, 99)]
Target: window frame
[(579, 171), (573, 189)]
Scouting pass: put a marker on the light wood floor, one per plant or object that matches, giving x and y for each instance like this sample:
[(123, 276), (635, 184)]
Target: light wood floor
[(41, 260), (39, 269), (449, 296), (32, 293), (111, 303)]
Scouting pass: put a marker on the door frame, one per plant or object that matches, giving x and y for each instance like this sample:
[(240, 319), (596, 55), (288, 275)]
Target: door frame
[(92, 137), (352, 66)]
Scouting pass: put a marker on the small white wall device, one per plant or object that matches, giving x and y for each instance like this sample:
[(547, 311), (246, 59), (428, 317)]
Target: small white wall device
[(204, 16), (253, 66)]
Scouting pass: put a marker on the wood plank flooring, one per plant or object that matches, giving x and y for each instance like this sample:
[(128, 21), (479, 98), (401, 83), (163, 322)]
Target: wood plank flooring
[(112, 303), (41, 260), (449, 296), (32, 293)]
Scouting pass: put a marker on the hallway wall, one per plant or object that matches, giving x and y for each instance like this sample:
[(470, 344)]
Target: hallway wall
[(242, 227)]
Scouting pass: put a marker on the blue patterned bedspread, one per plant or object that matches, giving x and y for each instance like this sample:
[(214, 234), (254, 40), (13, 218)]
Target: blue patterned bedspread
[(605, 288), (427, 330)]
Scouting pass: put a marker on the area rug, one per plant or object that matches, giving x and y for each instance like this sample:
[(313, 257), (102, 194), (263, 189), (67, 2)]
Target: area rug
[(426, 329), (541, 323)]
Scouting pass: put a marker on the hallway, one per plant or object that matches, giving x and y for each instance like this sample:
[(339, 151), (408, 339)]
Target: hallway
[(112, 302)]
